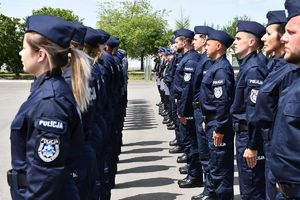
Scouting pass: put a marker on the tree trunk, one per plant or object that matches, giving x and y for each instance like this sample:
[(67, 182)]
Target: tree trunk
[(142, 62)]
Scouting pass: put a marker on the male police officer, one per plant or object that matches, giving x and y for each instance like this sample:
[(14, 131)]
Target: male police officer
[(216, 97), (184, 96), (174, 63), (249, 80), (281, 76), (199, 43), (285, 141)]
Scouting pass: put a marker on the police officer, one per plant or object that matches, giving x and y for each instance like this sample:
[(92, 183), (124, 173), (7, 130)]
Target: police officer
[(183, 89), (98, 126), (216, 97), (285, 143), (159, 60), (113, 96), (112, 45), (174, 63), (122, 55), (281, 76), (249, 80), (199, 43), (46, 134), (86, 174), (167, 79)]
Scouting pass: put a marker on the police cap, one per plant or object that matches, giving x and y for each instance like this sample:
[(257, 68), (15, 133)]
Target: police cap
[(53, 28), (184, 32), (292, 7), (221, 36), (252, 27), (276, 17)]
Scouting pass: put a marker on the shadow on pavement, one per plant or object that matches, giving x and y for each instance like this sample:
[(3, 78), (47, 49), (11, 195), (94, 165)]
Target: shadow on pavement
[(150, 182), (152, 196), (139, 115), (144, 143), (144, 150), (144, 159), (145, 169)]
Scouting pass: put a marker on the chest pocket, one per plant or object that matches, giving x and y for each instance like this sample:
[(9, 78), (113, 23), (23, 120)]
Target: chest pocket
[(207, 90), (292, 116)]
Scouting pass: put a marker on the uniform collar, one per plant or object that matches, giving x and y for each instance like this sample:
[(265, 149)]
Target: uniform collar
[(245, 59), (220, 58), (278, 62), (40, 79)]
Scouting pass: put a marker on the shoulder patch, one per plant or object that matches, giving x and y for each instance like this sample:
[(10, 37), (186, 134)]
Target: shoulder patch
[(50, 125), (218, 82), (253, 95), (255, 82), (48, 149), (187, 76), (218, 92), (188, 69)]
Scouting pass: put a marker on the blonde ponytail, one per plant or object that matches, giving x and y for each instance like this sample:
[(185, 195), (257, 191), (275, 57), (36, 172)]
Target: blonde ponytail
[(81, 73)]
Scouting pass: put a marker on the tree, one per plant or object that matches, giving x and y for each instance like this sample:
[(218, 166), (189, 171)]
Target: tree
[(182, 22), (11, 35), (231, 27), (140, 28), (65, 14)]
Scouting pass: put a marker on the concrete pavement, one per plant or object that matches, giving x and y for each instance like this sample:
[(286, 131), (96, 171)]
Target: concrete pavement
[(146, 170)]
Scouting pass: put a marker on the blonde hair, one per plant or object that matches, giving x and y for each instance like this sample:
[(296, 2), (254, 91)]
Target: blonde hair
[(58, 57), (93, 52)]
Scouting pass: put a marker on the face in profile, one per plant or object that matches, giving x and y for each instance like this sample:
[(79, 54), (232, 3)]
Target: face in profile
[(179, 45), (241, 43), (29, 56), (271, 39), (211, 48), (291, 40), (199, 42)]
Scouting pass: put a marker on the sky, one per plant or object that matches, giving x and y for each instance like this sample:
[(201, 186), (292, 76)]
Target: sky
[(217, 12)]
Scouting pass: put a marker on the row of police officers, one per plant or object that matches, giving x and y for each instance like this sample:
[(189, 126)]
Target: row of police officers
[(209, 106), (67, 136)]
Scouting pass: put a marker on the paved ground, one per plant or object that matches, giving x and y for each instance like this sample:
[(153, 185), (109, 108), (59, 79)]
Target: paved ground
[(146, 170)]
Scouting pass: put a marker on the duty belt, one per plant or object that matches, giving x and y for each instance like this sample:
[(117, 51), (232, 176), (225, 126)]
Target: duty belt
[(21, 178), (290, 191), (196, 104), (208, 118), (240, 127), (266, 134)]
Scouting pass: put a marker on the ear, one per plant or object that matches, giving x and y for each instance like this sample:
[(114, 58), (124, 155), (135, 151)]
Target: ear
[(42, 55), (252, 42), (219, 46)]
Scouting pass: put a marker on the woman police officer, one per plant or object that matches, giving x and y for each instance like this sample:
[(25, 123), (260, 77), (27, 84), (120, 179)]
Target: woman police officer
[(46, 134)]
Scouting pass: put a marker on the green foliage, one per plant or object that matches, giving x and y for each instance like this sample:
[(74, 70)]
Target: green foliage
[(65, 14), (231, 27), (11, 35), (140, 28), (182, 22)]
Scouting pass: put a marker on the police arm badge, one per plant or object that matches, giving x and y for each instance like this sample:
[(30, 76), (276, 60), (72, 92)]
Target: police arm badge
[(187, 76), (218, 92), (253, 95), (48, 149)]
